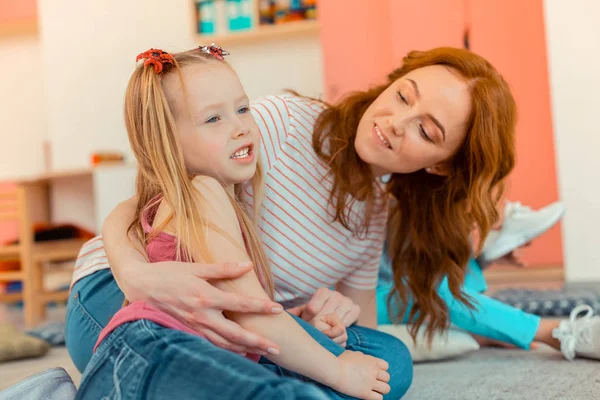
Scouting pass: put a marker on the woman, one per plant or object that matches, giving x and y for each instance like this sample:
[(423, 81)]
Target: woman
[(442, 127)]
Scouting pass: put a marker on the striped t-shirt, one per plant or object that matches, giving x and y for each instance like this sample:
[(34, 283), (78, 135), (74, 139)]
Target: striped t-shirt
[(306, 249)]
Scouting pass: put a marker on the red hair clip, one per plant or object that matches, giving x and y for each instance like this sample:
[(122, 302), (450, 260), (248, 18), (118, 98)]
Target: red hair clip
[(216, 51), (155, 57)]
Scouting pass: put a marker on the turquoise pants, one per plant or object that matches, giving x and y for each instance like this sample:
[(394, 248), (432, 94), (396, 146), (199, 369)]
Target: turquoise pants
[(490, 318)]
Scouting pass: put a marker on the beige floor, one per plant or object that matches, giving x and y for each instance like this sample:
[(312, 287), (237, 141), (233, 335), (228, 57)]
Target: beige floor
[(14, 371)]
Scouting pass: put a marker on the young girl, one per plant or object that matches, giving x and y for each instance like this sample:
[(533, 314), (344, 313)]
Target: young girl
[(190, 128)]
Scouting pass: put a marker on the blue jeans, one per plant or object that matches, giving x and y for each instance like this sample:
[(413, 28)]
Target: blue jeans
[(92, 303), (490, 318), (164, 352), (142, 360)]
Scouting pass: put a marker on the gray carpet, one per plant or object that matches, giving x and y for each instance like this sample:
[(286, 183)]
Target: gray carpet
[(499, 374)]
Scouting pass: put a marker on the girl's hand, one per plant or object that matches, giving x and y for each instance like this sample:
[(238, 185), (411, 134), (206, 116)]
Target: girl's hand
[(326, 301), (332, 326)]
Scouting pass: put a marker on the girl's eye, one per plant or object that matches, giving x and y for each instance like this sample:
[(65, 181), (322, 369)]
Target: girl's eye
[(213, 120), (244, 110)]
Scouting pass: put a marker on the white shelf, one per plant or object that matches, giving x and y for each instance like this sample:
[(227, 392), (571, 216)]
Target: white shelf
[(263, 33)]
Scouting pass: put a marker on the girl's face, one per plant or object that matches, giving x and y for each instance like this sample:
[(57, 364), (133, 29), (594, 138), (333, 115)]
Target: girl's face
[(215, 129), (417, 123)]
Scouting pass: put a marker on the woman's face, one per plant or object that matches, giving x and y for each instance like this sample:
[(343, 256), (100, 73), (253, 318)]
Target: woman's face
[(418, 122)]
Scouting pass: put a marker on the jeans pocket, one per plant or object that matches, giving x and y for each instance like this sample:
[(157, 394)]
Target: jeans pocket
[(115, 372), (83, 315)]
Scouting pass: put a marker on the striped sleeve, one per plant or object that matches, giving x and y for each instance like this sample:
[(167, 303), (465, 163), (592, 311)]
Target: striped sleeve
[(91, 258), (273, 119)]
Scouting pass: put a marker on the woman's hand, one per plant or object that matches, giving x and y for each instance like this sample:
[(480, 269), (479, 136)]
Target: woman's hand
[(183, 291)]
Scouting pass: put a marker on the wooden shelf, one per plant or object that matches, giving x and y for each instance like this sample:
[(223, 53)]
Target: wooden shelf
[(9, 253), (54, 250), (55, 296), (11, 276), (517, 275), (52, 175), (32, 201), (60, 174), (10, 297), (57, 250), (18, 28), (263, 33), (47, 297)]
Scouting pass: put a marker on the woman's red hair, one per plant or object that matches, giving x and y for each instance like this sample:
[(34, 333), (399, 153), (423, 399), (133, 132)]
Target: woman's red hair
[(432, 217)]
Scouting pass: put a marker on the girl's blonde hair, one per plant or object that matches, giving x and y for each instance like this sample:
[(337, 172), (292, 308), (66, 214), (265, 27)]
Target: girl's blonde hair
[(162, 174)]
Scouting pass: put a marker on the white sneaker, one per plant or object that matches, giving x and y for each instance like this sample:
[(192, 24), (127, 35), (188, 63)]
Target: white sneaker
[(521, 225), (579, 336)]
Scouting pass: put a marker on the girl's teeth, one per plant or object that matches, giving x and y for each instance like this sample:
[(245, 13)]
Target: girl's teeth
[(242, 153)]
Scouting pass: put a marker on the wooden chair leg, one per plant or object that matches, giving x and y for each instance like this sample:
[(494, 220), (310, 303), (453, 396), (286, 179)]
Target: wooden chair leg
[(30, 296), (40, 303)]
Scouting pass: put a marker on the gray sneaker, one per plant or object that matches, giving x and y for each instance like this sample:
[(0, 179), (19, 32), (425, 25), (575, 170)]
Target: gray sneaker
[(52, 384)]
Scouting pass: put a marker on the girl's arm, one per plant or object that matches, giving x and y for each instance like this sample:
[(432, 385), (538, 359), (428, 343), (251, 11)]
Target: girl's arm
[(178, 288), (299, 352)]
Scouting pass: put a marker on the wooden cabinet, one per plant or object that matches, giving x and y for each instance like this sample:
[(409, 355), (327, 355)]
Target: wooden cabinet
[(29, 202)]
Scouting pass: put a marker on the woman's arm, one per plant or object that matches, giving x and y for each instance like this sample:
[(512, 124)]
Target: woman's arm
[(125, 253), (180, 289), (365, 300)]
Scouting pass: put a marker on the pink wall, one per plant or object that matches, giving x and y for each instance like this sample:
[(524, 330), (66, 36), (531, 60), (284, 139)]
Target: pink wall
[(356, 39), (424, 24), (510, 33)]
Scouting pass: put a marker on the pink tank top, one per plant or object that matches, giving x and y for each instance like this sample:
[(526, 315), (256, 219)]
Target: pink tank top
[(163, 247)]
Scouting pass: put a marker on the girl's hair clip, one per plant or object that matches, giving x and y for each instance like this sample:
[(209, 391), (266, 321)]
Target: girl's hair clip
[(157, 58), (216, 51)]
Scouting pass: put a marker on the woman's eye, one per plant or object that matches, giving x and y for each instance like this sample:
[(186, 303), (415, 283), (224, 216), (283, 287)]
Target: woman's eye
[(402, 98), (424, 134)]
